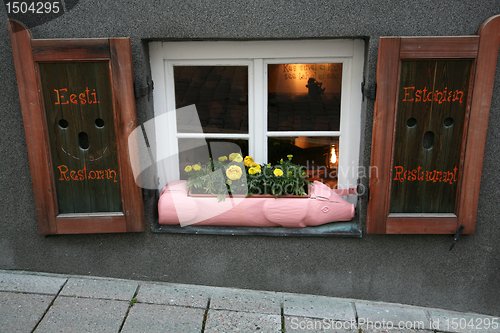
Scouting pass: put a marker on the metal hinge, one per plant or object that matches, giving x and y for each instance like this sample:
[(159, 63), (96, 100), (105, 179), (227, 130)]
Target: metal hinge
[(370, 92), (143, 91)]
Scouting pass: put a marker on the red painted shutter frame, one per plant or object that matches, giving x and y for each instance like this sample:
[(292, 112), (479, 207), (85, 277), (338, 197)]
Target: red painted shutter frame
[(483, 49), (28, 53)]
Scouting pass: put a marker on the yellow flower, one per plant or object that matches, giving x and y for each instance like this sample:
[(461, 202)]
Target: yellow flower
[(236, 157), (289, 157), (234, 172), (222, 158), (196, 167), (278, 172), (248, 161), (188, 168), (255, 168)]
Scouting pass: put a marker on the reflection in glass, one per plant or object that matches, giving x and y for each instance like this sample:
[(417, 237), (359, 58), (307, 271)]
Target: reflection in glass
[(220, 94), (193, 151), (304, 97), (318, 155)]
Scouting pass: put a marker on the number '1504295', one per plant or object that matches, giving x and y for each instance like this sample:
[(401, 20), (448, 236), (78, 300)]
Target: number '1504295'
[(33, 8)]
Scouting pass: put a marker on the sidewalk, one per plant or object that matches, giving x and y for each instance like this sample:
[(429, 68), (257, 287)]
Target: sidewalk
[(40, 302)]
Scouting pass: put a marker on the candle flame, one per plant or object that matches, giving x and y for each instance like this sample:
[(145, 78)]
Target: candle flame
[(333, 156)]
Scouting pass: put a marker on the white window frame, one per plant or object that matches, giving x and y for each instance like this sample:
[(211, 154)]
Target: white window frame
[(257, 55)]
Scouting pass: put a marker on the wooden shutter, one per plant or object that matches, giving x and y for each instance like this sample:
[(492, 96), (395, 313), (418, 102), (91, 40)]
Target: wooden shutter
[(78, 109), (429, 131)]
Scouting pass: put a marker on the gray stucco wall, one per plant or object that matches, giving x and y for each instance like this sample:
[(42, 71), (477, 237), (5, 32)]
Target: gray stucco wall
[(406, 269)]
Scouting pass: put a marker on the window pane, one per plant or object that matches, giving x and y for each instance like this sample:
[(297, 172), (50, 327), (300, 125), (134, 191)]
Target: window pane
[(220, 94), (193, 151), (304, 97), (319, 155)]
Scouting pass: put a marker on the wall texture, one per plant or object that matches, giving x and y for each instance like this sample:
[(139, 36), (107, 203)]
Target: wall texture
[(406, 269)]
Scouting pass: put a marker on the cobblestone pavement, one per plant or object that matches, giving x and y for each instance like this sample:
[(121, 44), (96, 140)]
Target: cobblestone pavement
[(40, 302)]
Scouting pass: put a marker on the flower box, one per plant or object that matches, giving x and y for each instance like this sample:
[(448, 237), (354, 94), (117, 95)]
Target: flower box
[(321, 206), (216, 194)]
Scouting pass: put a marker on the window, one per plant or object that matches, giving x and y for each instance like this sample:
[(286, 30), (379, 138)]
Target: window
[(271, 98)]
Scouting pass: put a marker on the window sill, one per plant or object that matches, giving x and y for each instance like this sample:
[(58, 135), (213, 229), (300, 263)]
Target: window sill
[(336, 229)]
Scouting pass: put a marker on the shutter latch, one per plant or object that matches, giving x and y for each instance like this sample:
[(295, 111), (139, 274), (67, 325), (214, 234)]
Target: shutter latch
[(457, 236)]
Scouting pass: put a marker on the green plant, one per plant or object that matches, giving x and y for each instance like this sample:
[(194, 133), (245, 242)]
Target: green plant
[(285, 178), (218, 177), (133, 301), (238, 175)]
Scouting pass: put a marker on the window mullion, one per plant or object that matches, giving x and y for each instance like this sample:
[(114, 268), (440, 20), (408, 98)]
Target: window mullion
[(258, 139), (303, 133)]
